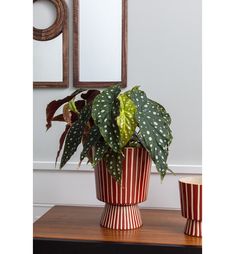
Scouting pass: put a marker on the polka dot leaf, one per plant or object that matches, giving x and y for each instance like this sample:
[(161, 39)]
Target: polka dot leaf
[(92, 138), (126, 120), (113, 162), (155, 133), (105, 109), (74, 136), (100, 149)]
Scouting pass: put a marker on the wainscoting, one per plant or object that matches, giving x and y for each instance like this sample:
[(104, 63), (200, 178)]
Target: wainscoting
[(77, 187)]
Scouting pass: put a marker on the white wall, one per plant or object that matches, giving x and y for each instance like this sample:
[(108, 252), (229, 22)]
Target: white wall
[(164, 57)]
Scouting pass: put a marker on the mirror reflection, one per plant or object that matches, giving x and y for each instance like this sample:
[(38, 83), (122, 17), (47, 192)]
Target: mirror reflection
[(100, 40), (48, 60), (44, 14), (47, 55)]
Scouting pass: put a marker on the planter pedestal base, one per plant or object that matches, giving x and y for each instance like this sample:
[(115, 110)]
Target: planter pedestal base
[(193, 228), (121, 199), (121, 217)]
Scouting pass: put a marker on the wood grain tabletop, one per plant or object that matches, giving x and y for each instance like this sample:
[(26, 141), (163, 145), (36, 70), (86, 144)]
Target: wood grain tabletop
[(163, 227)]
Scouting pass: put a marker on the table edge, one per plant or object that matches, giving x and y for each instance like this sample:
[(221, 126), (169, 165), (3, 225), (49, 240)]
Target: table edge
[(114, 242)]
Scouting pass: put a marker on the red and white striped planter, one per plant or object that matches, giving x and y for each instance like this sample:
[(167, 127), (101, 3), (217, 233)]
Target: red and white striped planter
[(121, 210), (191, 204)]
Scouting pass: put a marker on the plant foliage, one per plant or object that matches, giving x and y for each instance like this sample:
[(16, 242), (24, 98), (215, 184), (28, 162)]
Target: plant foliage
[(92, 138), (126, 120), (74, 135), (105, 109), (114, 164), (100, 149), (54, 105), (154, 129), (106, 122)]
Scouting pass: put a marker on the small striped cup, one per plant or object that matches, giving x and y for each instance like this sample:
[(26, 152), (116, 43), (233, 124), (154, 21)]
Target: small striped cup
[(191, 204)]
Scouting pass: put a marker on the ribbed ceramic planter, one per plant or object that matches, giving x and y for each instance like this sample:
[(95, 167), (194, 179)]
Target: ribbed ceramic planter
[(191, 204), (121, 209)]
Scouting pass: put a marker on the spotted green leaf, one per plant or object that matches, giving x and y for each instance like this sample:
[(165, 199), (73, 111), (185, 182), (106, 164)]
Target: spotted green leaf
[(105, 109), (161, 123), (61, 142), (100, 149), (158, 155), (126, 120), (114, 164), (162, 111), (74, 136), (155, 133), (92, 138)]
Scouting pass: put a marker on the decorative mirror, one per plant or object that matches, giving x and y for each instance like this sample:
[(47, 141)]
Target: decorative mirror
[(50, 44), (99, 43)]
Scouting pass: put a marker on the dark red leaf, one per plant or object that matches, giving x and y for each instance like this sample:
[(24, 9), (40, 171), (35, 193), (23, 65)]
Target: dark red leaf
[(74, 117), (54, 105), (79, 105), (90, 95), (62, 138), (59, 118)]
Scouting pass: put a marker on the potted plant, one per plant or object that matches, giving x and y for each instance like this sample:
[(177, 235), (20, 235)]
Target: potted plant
[(121, 134)]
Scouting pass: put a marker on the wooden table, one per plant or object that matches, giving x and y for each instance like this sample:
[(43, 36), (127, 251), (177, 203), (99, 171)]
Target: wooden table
[(72, 229)]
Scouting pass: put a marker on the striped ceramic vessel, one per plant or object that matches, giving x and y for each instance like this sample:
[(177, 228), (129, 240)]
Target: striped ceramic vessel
[(191, 204), (121, 210)]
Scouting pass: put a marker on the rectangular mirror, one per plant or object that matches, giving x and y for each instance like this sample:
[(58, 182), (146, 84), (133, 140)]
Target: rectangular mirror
[(48, 60), (100, 42), (50, 44)]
